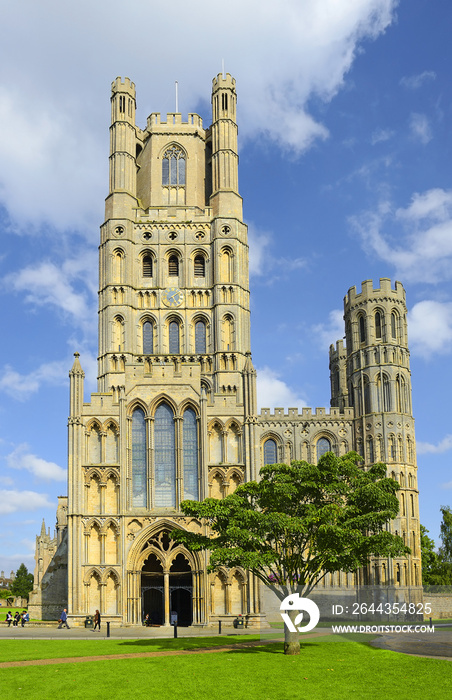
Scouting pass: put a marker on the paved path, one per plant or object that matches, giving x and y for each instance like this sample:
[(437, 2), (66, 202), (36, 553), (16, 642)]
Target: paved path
[(136, 632), (436, 645)]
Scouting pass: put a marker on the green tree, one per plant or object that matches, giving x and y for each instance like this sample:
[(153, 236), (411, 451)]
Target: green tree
[(23, 582), (299, 522), (445, 551), (437, 566), (430, 559)]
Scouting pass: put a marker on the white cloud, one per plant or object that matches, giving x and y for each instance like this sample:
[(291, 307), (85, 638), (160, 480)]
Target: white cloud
[(427, 448), (328, 333), (6, 480), (22, 386), (435, 205), (55, 284), (420, 128), (263, 260), (20, 458), (258, 243), (430, 327), (416, 240), (274, 392), (413, 82), (381, 135), (282, 55), (12, 501)]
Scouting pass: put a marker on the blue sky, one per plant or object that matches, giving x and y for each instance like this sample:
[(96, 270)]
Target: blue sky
[(345, 149)]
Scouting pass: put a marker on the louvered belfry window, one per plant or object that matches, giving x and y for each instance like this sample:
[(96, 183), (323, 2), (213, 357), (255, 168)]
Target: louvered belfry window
[(200, 266), (147, 266), (173, 266)]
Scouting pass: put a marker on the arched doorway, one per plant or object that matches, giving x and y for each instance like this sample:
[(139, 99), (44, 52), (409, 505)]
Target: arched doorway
[(152, 590), (167, 581), (181, 590)]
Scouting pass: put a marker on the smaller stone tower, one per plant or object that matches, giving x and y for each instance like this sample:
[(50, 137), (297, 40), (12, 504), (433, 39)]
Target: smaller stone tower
[(378, 382)]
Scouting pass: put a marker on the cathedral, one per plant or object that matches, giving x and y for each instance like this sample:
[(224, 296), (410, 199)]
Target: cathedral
[(175, 414)]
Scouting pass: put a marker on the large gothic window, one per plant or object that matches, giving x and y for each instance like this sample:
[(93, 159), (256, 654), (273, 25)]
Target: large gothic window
[(190, 455), (165, 457), (173, 166), (139, 467), (270, 452)]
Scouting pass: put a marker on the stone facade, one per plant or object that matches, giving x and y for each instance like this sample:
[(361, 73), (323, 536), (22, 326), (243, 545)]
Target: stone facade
[(175, 415)]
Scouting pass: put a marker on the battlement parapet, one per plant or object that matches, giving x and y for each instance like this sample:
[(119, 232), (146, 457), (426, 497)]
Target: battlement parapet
[(339, 351), (193, 123), (223, 81), (127, 86), (368, 291), (183, 214), (320, 413)]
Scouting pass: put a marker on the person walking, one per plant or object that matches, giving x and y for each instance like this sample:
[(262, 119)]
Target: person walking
[(63, 620), (9, 618), (97, 620)]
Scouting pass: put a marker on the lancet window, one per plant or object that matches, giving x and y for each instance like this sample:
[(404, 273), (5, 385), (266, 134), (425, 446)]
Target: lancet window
[(270, 452), (323, 446)]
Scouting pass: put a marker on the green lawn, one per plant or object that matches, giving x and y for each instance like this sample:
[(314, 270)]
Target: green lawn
[(327, 668), (24, 649)]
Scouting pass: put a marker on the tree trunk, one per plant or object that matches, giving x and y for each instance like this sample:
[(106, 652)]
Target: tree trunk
[(291, 639)]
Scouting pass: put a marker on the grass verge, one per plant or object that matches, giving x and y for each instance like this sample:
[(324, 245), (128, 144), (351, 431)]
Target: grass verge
[(326, 668)]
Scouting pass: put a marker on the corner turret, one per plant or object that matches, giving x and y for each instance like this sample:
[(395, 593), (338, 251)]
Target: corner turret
[(225, 199)]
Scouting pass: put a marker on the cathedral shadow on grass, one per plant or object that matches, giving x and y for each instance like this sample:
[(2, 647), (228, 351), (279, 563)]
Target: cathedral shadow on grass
[(188, 643)]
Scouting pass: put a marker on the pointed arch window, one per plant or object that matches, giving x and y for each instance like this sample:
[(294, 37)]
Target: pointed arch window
[(323, 446), (378, 334), (118, 334), (139, 461), (270, 452), (386, 393), (394, 324), (173, 166), (200, 337), (147, 266), (362, 329), (200, 266), (173, 266), (165, 457), (370, 450), (148, 338), (190, 454), (174, 338)]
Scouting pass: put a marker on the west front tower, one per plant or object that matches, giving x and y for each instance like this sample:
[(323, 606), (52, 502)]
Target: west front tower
[(175, 410)]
